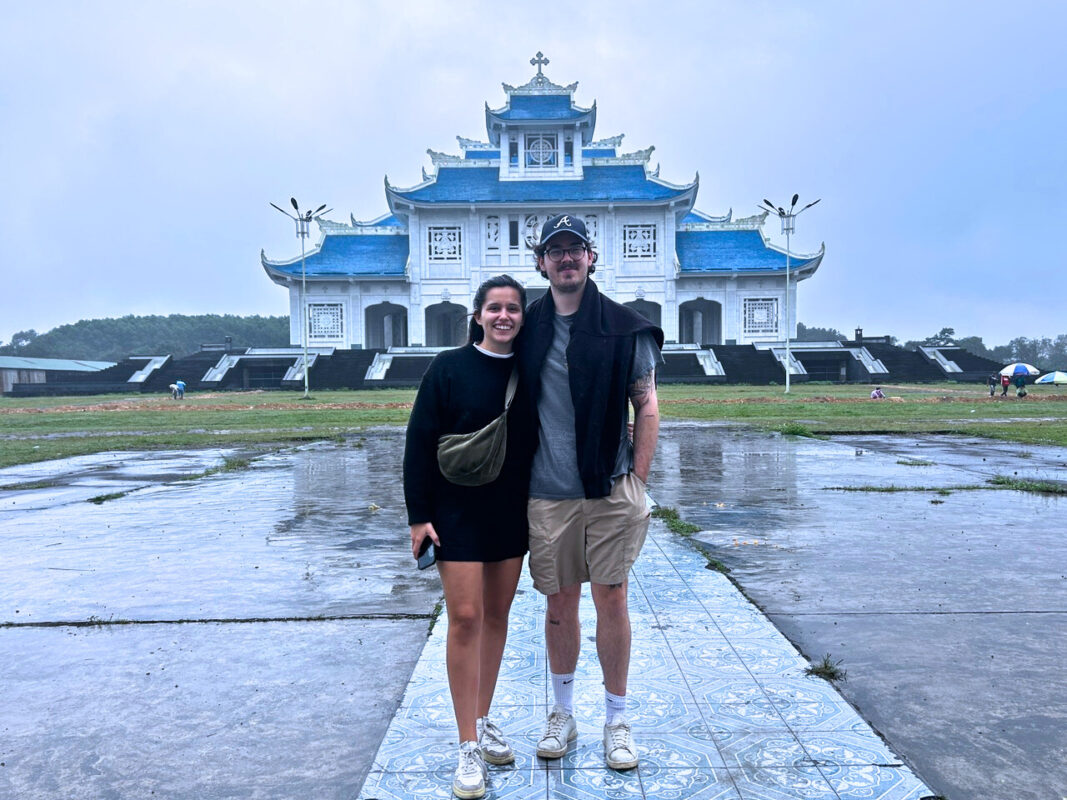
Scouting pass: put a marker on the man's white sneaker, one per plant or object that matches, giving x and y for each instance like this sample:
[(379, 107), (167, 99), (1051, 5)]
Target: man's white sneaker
[(619, 749), (495, 749), (469, 782), (559, 730)]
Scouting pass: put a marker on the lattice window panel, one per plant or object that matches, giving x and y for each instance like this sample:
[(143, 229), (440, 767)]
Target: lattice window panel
[(760, 316), (638, 241), (531, 228), (541, 151), (590, 226), (326, 321), (492, 233), (444, 243)]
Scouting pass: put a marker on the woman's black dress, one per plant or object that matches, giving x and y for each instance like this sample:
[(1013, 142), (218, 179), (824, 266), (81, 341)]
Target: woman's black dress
[(462, 391)]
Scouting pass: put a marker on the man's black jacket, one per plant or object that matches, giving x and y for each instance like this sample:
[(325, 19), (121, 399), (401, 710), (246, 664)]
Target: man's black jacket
[(599, 357)]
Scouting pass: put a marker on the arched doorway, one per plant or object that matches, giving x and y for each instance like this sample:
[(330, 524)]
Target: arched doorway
[(648, 310), (386, 325), (446, 325), (700, 322)]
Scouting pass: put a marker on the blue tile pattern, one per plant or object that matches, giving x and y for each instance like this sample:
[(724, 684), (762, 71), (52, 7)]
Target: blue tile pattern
[(729, 251), (537, 107), (719, 702), (483, 185), (352, 255)]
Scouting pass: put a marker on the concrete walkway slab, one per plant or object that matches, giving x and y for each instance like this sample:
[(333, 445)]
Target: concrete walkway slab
[(719, 700)]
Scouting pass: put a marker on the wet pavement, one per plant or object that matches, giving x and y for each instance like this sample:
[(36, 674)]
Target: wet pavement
[(948, 610), (250, 633), (719, 701), (244, 634)]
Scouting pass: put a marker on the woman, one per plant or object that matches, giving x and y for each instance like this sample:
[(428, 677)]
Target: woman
[(479, 532)]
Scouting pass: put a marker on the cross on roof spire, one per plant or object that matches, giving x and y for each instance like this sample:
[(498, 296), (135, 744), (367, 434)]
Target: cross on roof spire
[(538, 61)]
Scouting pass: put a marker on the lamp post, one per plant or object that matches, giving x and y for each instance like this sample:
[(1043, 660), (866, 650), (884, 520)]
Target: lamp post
[(303, 220), (788, 224)]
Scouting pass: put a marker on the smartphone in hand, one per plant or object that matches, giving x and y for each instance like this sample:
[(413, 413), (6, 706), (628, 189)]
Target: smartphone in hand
[(427, 554)]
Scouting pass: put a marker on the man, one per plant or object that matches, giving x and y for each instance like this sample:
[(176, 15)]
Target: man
[(583, 357)]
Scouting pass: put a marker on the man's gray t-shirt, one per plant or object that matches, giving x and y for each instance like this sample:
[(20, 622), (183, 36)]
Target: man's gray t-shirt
[(555, 467)]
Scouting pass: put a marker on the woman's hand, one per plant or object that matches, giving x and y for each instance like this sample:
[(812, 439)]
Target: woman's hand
[(419, 531)]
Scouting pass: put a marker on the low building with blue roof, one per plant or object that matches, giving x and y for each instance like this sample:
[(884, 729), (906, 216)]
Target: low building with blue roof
[(407, 278)]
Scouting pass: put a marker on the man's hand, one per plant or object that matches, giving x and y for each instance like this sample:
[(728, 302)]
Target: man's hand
[(645, 402)]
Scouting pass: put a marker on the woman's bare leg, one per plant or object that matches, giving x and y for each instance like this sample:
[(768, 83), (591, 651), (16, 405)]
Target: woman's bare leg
[(498, 590), (462, 581)]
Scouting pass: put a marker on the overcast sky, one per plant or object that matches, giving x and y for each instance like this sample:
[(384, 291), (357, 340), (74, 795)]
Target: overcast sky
[(141, 142)]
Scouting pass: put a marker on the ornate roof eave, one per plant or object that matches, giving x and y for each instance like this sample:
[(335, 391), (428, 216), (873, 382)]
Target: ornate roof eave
[(612, 141), (283, 277), (798, 256), (540, 84), (271, 263), (678, 187), (357, 228), (804, 270), (753, 223), (448, 160), (636, 158), (474, 144), (494, 124)]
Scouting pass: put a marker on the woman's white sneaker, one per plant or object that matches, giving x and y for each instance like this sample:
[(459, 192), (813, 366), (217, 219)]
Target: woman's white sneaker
[(495, 749), (469, 782)]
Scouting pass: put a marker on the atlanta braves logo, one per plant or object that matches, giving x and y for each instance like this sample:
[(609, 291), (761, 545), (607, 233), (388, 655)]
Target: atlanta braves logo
[(562, 221)]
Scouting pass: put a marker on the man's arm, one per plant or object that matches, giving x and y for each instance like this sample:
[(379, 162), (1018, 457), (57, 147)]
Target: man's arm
[(646, 422)]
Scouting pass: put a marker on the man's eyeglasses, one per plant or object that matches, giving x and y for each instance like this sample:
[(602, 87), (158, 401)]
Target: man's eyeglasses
[(555, 254)]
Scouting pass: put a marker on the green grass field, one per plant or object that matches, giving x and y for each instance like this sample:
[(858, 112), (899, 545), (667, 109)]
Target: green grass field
[(37, 429)]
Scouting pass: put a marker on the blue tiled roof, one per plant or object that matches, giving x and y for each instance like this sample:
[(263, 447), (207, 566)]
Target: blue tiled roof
[(386, 221), (598, 153), (472, 154), (729, 251), (353, 255), (483, 185), (529, 107), (699, 217)]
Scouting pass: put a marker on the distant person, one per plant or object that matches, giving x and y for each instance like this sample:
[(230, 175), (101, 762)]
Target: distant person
[(878, 394), (181, 388), (1005, 382), (174, 390), (994, 379), (1020, 386)]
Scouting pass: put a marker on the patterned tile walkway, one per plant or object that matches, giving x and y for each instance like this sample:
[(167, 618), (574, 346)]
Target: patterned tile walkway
[(718, 698)]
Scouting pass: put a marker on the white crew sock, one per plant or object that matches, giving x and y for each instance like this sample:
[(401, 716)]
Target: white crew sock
[(615, 705), (563, 690)]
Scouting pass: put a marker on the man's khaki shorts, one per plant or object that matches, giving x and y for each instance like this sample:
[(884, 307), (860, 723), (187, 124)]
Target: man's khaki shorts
[(575, 541)]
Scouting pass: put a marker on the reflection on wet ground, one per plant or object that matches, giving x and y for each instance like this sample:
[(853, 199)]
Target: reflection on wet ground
[(949, 610)]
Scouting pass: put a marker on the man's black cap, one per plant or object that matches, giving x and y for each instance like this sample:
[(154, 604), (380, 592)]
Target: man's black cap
[(563, 223)]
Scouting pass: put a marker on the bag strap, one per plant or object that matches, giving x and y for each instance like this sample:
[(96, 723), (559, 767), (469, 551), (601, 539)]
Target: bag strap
[(513, 383)]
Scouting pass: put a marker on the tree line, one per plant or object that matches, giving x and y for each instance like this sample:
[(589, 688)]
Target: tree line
[(113, 339), (1044, 353)]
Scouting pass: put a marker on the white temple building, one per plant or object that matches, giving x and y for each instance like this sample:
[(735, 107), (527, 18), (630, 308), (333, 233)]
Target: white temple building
[(407, 278)]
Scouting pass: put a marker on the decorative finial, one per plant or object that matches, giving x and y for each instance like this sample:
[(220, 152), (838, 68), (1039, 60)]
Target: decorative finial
[(538, 61)]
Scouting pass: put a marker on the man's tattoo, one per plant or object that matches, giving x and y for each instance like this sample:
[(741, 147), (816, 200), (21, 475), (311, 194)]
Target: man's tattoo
[(642, 387), (553, 621)]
